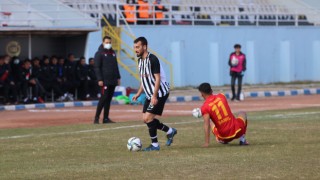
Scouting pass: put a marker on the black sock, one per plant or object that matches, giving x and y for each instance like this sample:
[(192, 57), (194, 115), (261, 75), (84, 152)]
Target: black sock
[(161, 126), (153, 131)]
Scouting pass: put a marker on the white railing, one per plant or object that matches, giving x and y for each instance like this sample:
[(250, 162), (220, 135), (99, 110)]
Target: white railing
[(31, 15), (208, 15), (44, 15)]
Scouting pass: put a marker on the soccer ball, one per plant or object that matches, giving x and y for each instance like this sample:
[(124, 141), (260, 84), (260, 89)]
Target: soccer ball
[(234, 61), (196, 112), (134, 144)]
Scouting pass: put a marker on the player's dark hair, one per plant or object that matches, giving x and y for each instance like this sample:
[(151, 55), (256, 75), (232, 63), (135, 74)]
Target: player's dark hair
[(237, 46), (35, 59), (70, 54), (143, 41), (91, 59), (106, 37), (205, 88), (27, 60)]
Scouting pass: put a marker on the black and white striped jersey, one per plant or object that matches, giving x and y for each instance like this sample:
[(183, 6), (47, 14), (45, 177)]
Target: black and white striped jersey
[(147, 68)]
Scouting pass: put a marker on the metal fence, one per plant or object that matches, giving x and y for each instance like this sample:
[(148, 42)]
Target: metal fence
[(43, 15), (57, 14), (193, 14)]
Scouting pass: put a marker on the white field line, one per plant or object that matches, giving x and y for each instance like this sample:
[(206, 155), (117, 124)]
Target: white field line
[(86, 131), (287, 115), (313, 105), (135, 126), (93, 110)]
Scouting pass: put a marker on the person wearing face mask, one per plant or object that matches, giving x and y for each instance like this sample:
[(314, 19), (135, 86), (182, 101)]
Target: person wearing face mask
[(108, 76)]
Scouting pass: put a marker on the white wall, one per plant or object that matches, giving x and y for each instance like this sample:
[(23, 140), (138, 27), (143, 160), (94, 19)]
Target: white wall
[(200, 53)]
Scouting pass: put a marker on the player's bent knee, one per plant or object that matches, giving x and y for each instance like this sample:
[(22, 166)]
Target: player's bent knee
[(243, 115), (148, 117)]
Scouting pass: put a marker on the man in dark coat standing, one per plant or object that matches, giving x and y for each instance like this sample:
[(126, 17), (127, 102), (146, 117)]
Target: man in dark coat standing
[(108, 76)]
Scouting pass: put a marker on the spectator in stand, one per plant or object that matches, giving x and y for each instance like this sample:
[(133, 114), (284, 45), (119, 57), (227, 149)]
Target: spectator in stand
[(159, 9), (143, 12), (83, 74), (93, 83), (7, 81), (27, 80), (72, 82), (129, 12)]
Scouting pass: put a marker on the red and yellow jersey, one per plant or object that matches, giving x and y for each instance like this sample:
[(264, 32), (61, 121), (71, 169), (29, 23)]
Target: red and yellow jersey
[(220, 114)]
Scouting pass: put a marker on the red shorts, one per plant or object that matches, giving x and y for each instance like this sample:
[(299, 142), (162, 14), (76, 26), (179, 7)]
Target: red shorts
[(241, 128)]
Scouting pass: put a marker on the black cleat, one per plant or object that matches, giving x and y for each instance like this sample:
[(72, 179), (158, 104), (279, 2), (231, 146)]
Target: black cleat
[(245, 143), (96, 121), (107, 120)]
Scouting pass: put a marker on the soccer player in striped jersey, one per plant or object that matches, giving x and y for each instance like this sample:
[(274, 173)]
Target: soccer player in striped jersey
[(153, 83)]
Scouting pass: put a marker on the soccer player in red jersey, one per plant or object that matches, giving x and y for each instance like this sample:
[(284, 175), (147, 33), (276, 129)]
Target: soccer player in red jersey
[(225, 126)]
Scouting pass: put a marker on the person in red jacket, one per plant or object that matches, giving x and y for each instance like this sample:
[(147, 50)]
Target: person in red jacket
[(237, 62), (225, 126)]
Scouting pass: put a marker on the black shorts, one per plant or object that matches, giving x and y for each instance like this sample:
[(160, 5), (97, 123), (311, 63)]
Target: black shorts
[(157, 109)]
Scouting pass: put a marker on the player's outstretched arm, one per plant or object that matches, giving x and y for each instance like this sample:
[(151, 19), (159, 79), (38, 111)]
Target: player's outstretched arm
[(135, 97), (206, 126)]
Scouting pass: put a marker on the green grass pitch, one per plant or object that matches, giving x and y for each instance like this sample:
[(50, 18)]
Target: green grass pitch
[(284, 145)]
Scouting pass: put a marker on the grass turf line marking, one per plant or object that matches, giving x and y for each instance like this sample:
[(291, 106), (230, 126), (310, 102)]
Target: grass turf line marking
[(133, 126), (286, 115), (93, 110), (86, 131)]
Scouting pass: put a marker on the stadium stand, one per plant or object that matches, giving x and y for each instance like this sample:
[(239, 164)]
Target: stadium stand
[(214, 12), (42, 13)]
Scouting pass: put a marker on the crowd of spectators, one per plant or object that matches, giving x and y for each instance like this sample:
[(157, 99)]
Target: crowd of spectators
[(141, 12), (39, 79)]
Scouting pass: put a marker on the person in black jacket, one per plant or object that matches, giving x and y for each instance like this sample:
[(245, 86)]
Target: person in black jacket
[(83, 74), (108, 76), (58, 90), (60, 78), (92, 82), (72, 81), (47, 77), (16, 69), (27, 80), (36, 66), (7, 81)]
